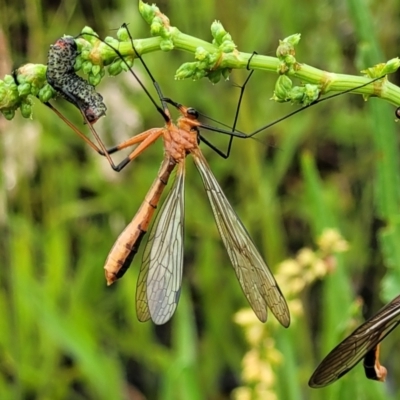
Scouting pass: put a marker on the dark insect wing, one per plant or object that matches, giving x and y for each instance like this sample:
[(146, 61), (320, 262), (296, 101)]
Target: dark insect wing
[(160, 276), (354, 348), (255, 278)]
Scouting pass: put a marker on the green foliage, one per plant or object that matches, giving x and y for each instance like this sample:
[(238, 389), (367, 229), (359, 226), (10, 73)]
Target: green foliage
[(65, 335)]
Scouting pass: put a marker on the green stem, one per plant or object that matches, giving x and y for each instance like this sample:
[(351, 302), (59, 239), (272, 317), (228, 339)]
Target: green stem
[(214, 60)]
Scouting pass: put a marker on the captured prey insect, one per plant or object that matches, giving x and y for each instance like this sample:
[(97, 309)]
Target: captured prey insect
[(362, 343), (62, 77)]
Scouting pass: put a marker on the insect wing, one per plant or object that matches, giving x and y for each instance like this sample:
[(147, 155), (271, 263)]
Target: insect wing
[(160, 277), (349, 352), (256, 280)]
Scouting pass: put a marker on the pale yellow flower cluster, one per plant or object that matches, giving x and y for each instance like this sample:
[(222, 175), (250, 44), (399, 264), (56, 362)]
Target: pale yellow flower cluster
[(294, 275)]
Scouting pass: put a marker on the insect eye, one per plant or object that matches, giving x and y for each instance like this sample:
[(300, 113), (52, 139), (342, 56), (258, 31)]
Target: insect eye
[(192, 112)]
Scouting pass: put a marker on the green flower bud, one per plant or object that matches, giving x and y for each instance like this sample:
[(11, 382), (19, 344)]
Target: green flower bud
[(34, 90), (122, 34), (78, 63), (289, 60), (156, 26), (94, 80), (96, 70), (9, 80), (26, 109), (8, 113), (297, 95), (284, 83), (226, 72), (110, 40), (24, 89), (201, 53), (89, 38), (46, 93), (9, 95), (391, 66), (115, 68), (185, 71), (166, 45), (199, 74), (194, 70), (284, 49), (282, 90), (127, 64), (87, 67), (85, 54), (218, 32), (311, 93), (88, 29), (293, 39), (215, 76), (147, 11), (227, 46)]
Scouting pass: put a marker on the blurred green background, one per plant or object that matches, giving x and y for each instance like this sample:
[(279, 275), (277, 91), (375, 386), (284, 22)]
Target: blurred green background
[(65, 335)]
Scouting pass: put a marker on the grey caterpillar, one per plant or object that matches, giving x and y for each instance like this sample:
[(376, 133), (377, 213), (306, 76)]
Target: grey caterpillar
[(62, 77)]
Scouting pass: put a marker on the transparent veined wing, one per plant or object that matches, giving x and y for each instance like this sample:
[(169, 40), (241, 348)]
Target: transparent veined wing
[(255, 278), (160, 277), (354, 348)]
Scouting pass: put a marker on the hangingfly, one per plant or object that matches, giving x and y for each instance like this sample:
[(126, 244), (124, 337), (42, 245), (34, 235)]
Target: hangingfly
[(363, 343), (160, 277)]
